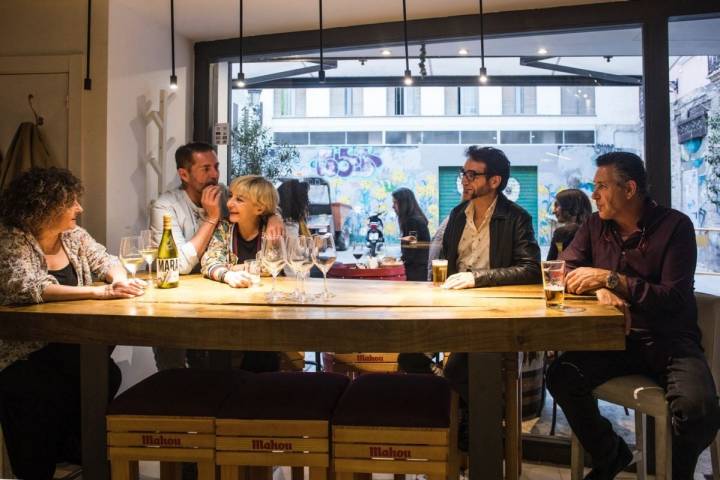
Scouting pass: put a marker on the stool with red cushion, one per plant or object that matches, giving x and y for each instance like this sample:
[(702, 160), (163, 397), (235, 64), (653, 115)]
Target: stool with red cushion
[(395, 423), (280, 419), (169, 417)]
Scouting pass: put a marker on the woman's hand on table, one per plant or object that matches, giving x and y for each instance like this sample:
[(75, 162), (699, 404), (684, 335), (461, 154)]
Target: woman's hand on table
[(238, 279), (459, 281), (122, 289), (607, 297)]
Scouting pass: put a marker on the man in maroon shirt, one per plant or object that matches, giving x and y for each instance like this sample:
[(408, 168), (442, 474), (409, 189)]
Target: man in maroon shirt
[(639, 257)]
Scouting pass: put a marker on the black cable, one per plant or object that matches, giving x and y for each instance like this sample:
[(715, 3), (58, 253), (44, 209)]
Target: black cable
[(321, 73), (173, 77), (407, 55), (88, 80), (482, 37), (241, 36)]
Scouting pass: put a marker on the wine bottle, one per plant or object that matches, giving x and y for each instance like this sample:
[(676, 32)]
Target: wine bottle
[(168, 265)]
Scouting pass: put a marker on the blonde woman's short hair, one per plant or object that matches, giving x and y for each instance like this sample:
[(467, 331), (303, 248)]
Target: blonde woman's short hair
[(258, 190)]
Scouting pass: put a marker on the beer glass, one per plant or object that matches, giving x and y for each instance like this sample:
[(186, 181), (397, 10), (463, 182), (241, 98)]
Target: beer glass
[(553, 272), (439, 271)]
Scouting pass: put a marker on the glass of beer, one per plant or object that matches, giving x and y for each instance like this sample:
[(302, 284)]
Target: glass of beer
[(554, 283), (439, 271)]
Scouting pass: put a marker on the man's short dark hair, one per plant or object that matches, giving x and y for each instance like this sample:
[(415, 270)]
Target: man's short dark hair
[(495, 160), (628, 167), (184, 154)]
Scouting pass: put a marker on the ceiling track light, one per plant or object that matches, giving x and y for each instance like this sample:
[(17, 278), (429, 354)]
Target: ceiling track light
[(173, 77), (483, 77), (407, 80), (321, 73), (239, 82)]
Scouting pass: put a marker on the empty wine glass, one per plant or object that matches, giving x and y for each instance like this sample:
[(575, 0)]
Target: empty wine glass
[(274, 256), (130, 254), (148, 250), (324, 256), (299, 257)]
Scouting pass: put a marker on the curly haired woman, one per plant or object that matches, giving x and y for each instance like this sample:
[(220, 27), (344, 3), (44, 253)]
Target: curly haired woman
[(45, 256)]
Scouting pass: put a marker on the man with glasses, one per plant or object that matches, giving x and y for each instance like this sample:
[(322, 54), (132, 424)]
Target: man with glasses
[(489, 240), (639, 257)]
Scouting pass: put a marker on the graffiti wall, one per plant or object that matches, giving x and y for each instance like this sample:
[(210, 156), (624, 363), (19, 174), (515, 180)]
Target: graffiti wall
[(364, 177)]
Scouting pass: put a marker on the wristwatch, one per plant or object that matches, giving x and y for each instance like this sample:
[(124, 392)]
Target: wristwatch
[(611, 282)]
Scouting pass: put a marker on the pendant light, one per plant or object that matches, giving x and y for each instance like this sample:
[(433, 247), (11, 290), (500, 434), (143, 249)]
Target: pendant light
[(321, 73), (173, 77), (483, 78), (407, 80), (240, 80)]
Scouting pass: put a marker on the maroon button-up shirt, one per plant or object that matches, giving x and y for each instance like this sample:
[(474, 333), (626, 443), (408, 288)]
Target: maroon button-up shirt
[(658, 261)]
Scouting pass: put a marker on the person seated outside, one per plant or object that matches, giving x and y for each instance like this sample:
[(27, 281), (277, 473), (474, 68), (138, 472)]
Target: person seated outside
[(639, 257), (571, 208), (252, 202), (44, 257), (414, 247)]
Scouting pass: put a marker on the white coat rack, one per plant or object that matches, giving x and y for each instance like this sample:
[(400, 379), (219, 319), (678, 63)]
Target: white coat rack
[(157, 161)]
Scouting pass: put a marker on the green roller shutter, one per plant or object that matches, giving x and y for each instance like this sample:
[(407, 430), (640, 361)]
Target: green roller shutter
[(525, 176)]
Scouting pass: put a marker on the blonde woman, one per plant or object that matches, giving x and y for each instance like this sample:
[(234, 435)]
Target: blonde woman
[(252, 201)]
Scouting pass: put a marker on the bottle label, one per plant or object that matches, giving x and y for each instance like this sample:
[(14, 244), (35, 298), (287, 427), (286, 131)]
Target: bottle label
[(168, 271)]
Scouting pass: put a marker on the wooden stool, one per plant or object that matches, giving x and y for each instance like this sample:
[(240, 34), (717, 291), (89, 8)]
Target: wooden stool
[(281, 419), (400, 424), (354, 364), (168, 417)]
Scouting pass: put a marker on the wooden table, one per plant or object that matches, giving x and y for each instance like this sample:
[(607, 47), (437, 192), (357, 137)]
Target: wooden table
[(364, 315)]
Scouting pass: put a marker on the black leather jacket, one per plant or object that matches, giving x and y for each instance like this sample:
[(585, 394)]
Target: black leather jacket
[(514, 252)]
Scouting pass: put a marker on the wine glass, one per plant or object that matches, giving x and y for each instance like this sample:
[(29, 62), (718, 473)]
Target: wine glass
[(130, 254), (324, 255), (300, 259), (358, 250), (148, 250), (274, 256)]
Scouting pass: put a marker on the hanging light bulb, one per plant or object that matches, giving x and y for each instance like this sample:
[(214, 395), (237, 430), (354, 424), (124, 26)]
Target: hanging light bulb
[(408, 80), (321, 73), (173, 77), (483, 77), (239, 82)]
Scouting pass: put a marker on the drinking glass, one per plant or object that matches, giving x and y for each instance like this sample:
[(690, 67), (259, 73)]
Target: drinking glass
[(324, 255), (553, 272), (130, 254), (274, 256), (358, 250), (299, 257), (439, 271), (149, 251)]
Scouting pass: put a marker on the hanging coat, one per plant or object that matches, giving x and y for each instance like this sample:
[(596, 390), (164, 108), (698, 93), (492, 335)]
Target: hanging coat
[(26, 150)]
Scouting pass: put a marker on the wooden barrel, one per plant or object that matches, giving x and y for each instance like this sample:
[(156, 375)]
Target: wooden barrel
[(350, 271), (533, 385)]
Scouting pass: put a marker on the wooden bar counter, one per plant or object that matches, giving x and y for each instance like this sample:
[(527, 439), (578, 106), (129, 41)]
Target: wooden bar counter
[(364, 315)]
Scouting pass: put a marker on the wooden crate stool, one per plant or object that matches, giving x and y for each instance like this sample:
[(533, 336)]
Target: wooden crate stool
[(354, 364), (399, 424), (169, 417), (280, 419)]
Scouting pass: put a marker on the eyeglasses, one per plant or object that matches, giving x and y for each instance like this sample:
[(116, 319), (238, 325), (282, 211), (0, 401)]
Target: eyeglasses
[(471, 175)]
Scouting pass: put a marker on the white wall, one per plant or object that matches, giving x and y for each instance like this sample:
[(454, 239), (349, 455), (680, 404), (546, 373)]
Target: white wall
[(548, 101), (139, 66)]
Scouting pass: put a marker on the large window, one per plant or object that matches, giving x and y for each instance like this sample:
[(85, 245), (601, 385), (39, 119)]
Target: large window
[(403, 101), (578, 101), (461, 100), (519, 101), (346, 102), (289, 102)]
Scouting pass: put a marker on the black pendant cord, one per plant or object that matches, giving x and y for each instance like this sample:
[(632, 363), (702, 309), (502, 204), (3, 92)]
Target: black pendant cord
[(321, 73), (88, 80), (407, 55), (482, 36), (241, 40), (173, 77)]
